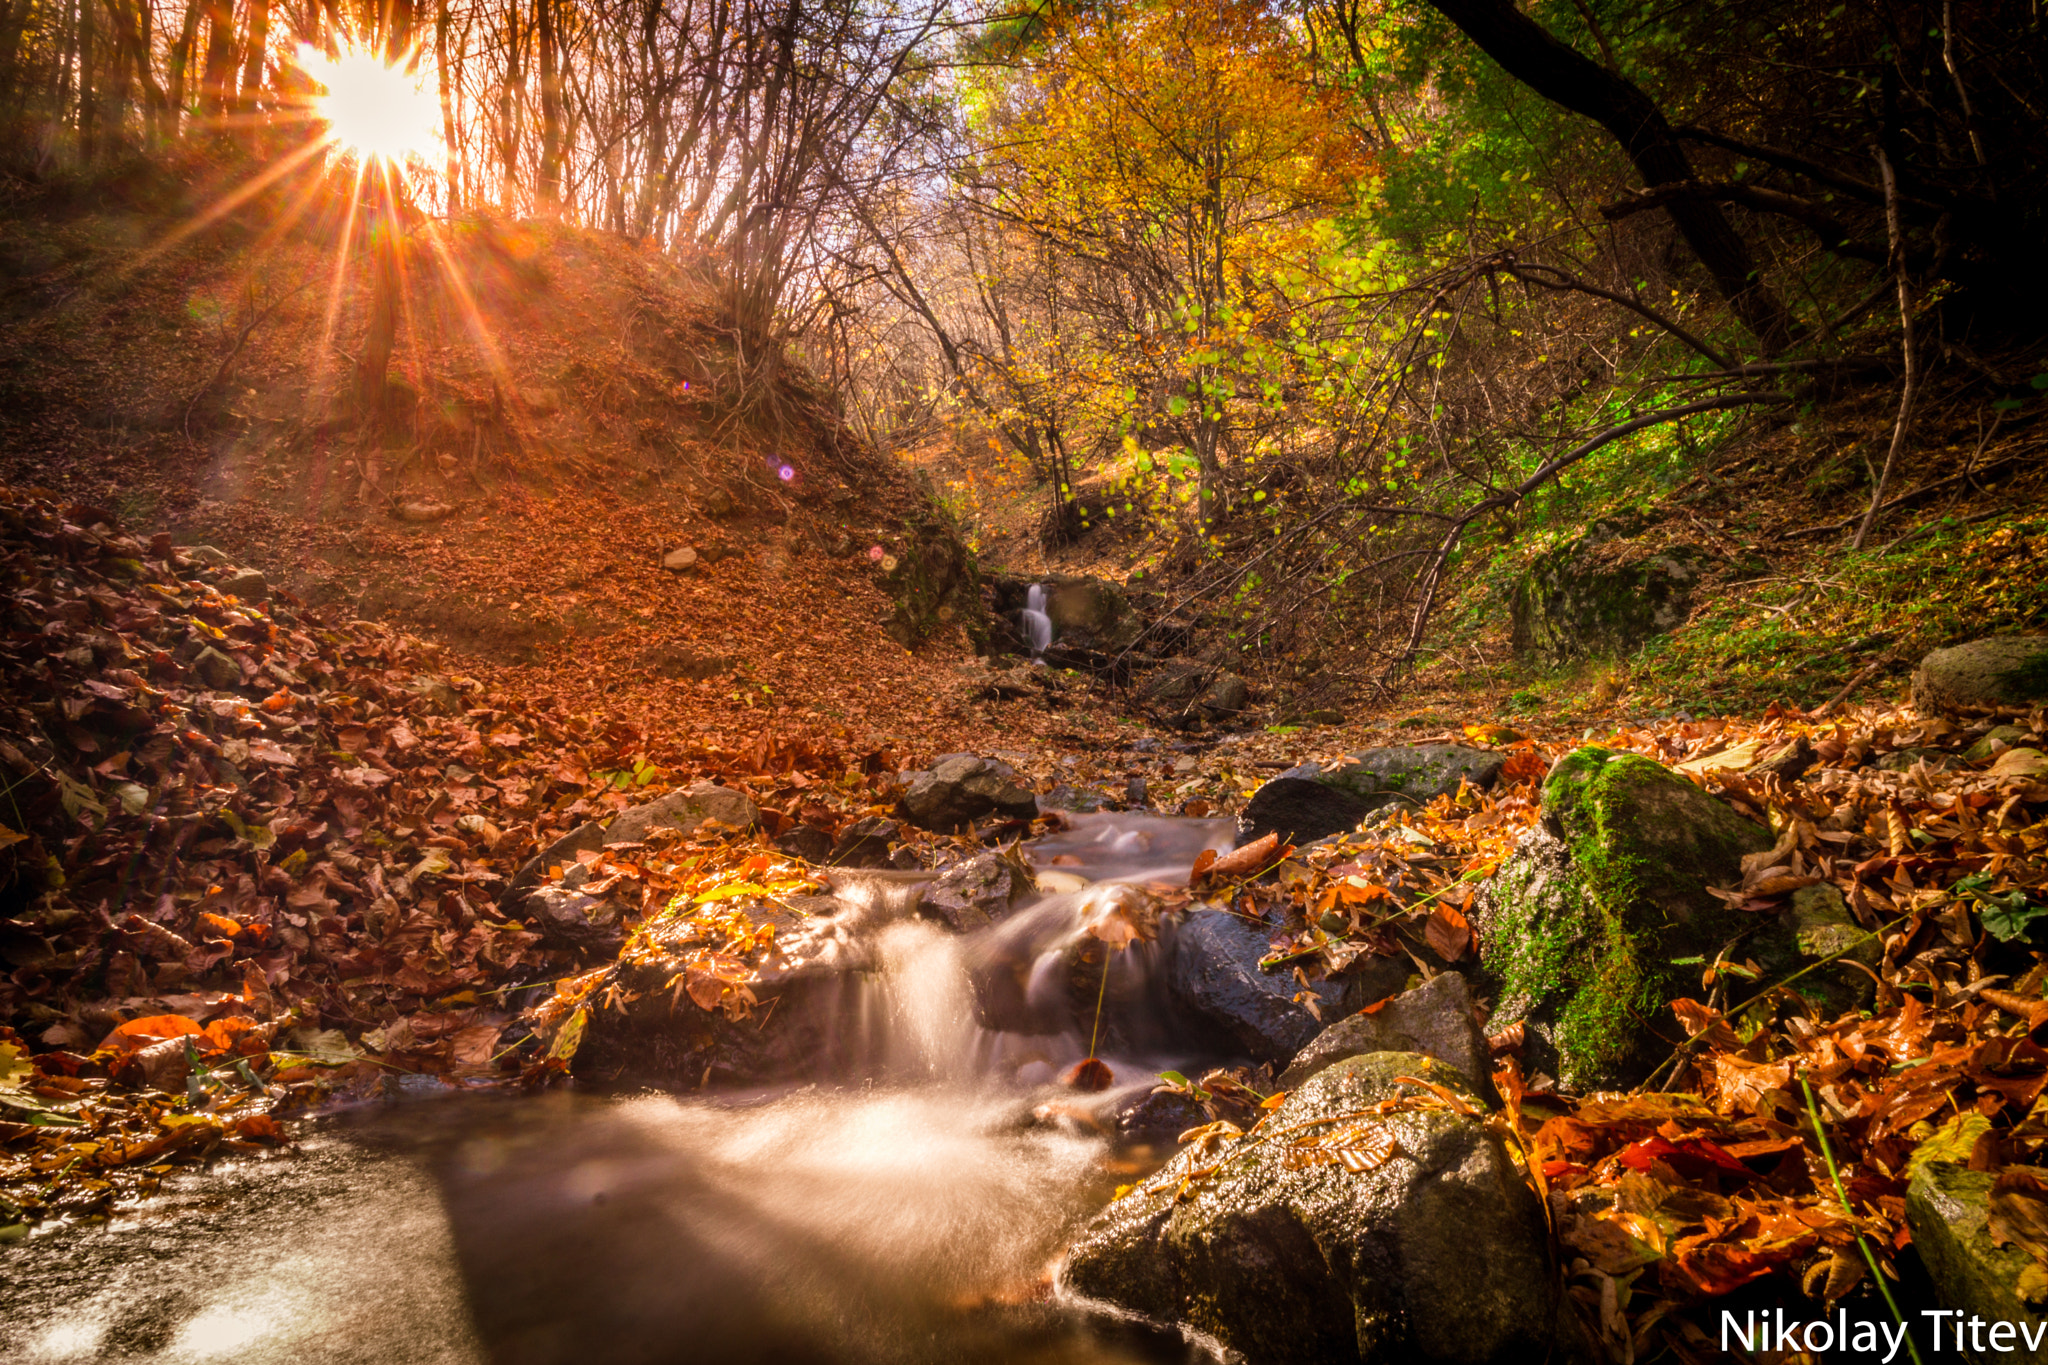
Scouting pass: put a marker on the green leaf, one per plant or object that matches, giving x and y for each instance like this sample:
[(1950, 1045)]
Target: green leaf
[(1952, 1142)]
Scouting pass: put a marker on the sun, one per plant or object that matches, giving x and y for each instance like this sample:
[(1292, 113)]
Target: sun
[(373, 107)]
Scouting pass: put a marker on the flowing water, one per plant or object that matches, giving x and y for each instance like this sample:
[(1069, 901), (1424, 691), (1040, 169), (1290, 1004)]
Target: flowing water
[(1037, 624), (907, 1217)]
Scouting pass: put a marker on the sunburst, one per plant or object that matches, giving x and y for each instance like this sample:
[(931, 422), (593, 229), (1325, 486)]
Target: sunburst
[(377, 109)]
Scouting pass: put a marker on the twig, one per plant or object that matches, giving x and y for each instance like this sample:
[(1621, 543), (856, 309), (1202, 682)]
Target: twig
[(1851, 685), (1909, 390), (1821, 528), (228, 361)]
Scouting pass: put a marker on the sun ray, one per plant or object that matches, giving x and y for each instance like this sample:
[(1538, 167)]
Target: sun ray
[(341, 260)]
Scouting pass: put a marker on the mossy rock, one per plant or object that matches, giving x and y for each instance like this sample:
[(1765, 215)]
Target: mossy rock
[(1998, 674), (1438, 1254), (1579, 928), (1948, 1209), (1817, 929), (934, 585), (1574, 603)]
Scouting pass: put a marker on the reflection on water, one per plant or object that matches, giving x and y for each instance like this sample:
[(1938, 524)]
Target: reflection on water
[(911, 1222)]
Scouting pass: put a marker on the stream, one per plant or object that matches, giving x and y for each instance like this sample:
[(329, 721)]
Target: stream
[(909, 1216)]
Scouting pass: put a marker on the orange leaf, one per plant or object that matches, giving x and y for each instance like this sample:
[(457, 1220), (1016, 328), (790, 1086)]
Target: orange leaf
[(1242, 862), (1448, 933), (138, 1034), (1091, 1074), (1204, 860)]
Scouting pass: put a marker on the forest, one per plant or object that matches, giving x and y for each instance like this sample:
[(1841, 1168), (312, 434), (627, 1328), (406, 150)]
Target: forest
[(1031, 680)]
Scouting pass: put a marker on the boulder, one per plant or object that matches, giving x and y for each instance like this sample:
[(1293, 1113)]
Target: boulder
[(2002, 673), (1174, 682), (1283, 1254), (1598, 597), (1578, 929), (1215, 977), (207, 556), (1227, 695), (1948, 1209), (1434, 1019), (216, 669), (963, 788), (1408, 772), (1076, 800), (1091, 612), (807, 842), (974, 894), (684, 810), (1299, 810)]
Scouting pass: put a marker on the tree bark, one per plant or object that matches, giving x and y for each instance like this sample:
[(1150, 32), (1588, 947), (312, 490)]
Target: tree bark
[(550, 108), (1559, 73), (259, 48)]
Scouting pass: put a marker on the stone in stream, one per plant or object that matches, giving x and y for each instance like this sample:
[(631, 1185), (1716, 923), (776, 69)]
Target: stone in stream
[(1438, 1252), (1948, 1209), (1311, 802), (1578, 928), (866, 842), (1215, 976), (684, 811), (974, 894), (1158, 1118), (962, 788), (1299, 810), (2001, 673), (1434, 1019), (566, 918), (807, 842)]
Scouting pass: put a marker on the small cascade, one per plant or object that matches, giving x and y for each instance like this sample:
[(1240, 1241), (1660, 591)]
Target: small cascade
[(1037, 624)]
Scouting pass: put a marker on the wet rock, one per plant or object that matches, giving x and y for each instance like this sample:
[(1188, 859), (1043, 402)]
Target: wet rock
[(1814, 928), (807, 842), (216, 669), (1594, 597), (1408, 772), (1158, 1118), (963, 788), (974, 894), (1948, 1209), (1076, 800), (1215, 976), (1299, 810), (864, 843), (1434, 1019), (1439, 1254), (565, 918), (247, 584), (684, 811), (2001, 673), (1578, 929)]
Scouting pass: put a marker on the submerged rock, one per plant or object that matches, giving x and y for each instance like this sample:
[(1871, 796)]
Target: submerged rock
[(1948, 1209), (1215, 976), (1578, 929), (1437, 1253), (2001, 673), (1434, 1019), (963, 788)]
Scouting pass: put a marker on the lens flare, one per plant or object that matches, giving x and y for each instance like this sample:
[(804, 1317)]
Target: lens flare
[(373, 107)]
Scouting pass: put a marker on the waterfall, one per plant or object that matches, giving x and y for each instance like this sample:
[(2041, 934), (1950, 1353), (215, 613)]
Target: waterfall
[(1037, 625)]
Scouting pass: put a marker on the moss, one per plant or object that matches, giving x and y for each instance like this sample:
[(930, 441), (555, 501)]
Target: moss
[(2027, 681), (1641, 845)]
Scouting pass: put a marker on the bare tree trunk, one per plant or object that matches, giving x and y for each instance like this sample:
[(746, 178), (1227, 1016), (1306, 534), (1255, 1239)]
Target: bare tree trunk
[(88, 111), (446, 76), (219, 88), (509, 112), (181, 64), (1562, 75), (382, 336), (550, 108), (1909, 390), (259, 49)]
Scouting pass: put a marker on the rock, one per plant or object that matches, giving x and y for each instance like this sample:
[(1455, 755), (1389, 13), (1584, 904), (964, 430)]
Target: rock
[(1434, 1019), (1299, 809), (864, 843), (542, 400), (684, 810), (1174, 682), (1227, 695), (1158, 1118), (1438, 1254), (1791, 762), (1904, 760), (565, 918), (207, 556), (2001, 673), (1817, 926), (1578, 601), (247, 584), (807, 842), (1076, 800), (1948, 1209), (1091, 612), (974, 894), (679, 560), (1415, 772), (1578, 929), (962, 788), (216, 669), (1215, 976), (2006, 736), (422, 510)]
